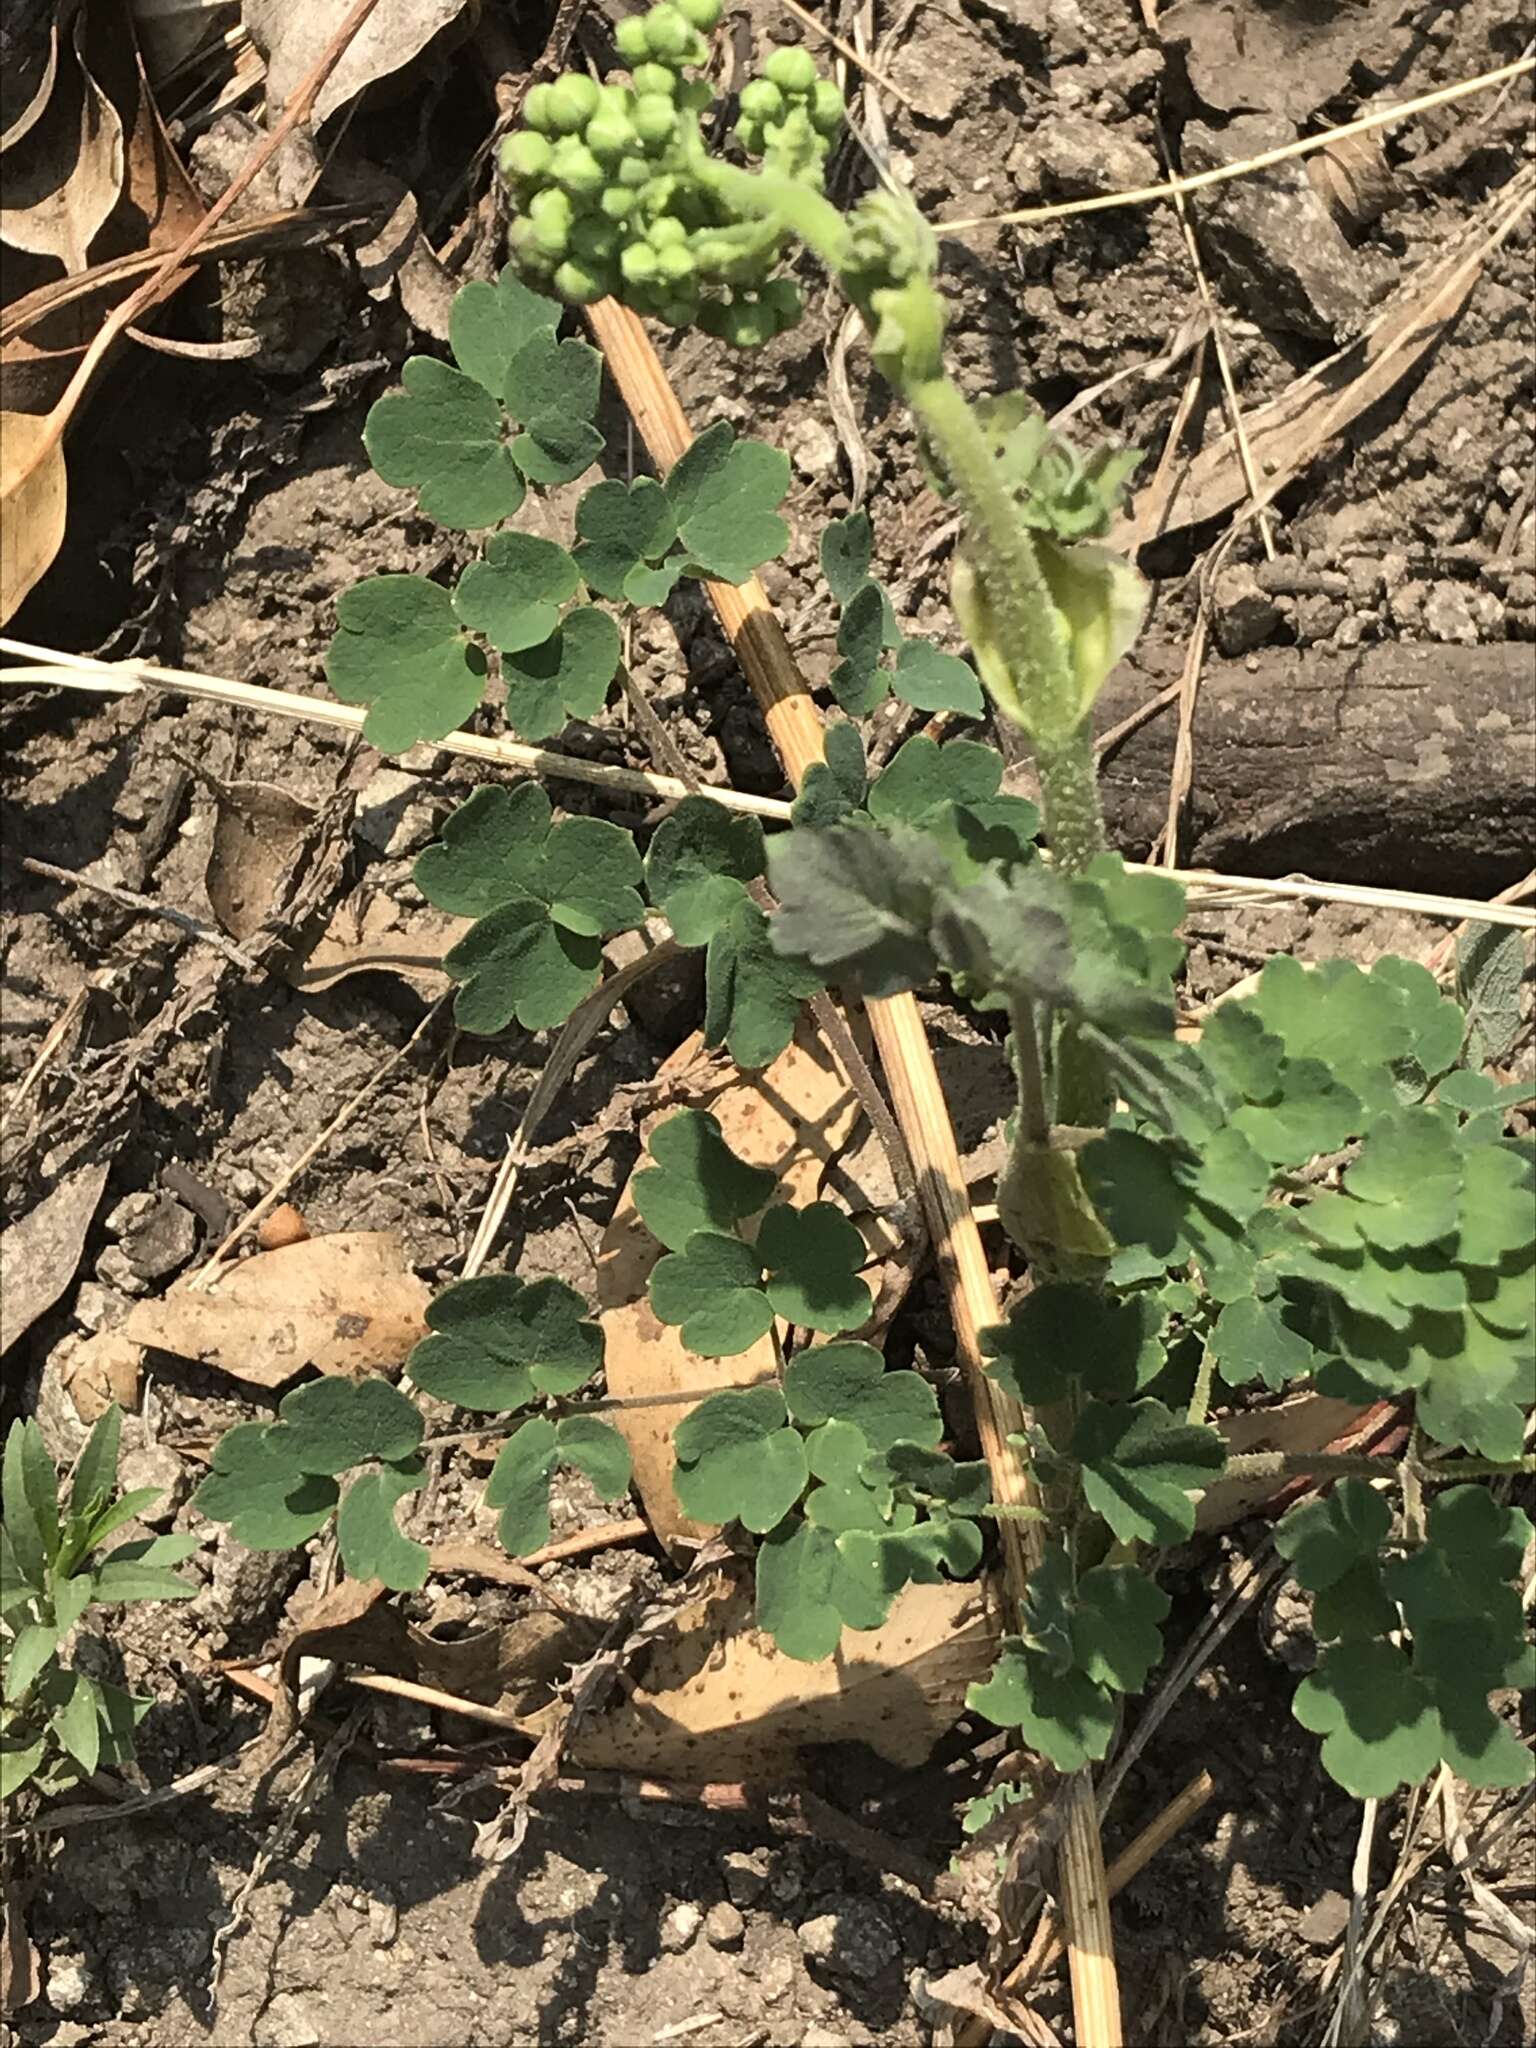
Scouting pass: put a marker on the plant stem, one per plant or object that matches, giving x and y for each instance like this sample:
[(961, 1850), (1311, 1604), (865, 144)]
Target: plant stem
[(1361, 1465), (1200, 1399), (1034, 1116)]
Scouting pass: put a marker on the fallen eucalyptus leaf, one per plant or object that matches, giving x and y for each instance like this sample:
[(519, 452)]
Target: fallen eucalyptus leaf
[(257, 830), (346, 1303), (39, 1253), (293, 39)]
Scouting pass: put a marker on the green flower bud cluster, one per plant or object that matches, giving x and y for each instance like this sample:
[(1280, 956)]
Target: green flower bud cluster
[(612, 183)]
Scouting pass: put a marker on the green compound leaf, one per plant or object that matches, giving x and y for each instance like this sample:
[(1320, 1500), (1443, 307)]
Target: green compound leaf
[(713, 1288), (1117, 1629), (813, 1255), (1253, 1340), (516, 963), (737, 1461), (1436, 1024), (858, 682), (1178, 1208), (598, 1451), (256, 1486), (847, 547), (519, 1486), (372, 1547), (848, 1383), (441, 436), (697, 1183), (1379, 1721), (857, 904), (931, 680), (798, 1580), (879, 1563), (835, 786), (544, 898), (625, 529), (723, 494), (489, 323), (489, 852), (1326, 1538), (1314, 1113), (1139, 1463), (1356, 1025), (566, 678), (519, 1481), (400, 650), (498, 1341), (923, 773), (1494, 1220), (1045, 1613), (1405, 1186), (1355, 1607), (334, 1424), (1481, 1541), (1062, 1336), (552, 387), (1062, 1714), (699, 863), (930, 1478), (513, 594), (753, 991)]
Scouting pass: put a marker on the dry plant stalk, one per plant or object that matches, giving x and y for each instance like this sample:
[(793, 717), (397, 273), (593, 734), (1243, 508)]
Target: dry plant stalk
[(795, 727)]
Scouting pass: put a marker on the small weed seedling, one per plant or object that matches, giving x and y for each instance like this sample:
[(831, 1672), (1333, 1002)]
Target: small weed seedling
[(1317, 1192), (57, 1725)]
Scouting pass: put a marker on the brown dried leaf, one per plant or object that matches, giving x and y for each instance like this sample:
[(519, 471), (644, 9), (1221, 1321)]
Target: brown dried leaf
[(39, 1253), (720, 1701), (293, 39), (20, 1978), (367, 935), (33, 507), (104, 1369), (1310, 1422), (795, 1116), (257, 829), (64, 172), (346, 1303)]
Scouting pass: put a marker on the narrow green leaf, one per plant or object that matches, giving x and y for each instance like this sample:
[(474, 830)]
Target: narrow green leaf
[(96, 1471), (77, 1722), (20, 1756), (32, 1544), (31, 1651)]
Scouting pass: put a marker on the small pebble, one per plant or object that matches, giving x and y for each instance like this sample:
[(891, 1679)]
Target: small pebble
[(745, 1875), (724, 1926), (284, 1226), (679, 1928)]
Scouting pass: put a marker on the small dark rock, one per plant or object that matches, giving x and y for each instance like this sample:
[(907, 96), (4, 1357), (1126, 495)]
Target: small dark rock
[(159, 1239), (853, 1939)]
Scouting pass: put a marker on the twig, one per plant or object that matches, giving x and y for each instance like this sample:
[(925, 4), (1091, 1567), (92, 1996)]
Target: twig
[(58, 1031), (1135, 720), (130, 899), (209, 1272), (430, 1696), (1150, 195)]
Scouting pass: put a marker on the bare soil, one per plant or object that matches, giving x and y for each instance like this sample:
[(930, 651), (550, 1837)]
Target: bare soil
[(234, 504)]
